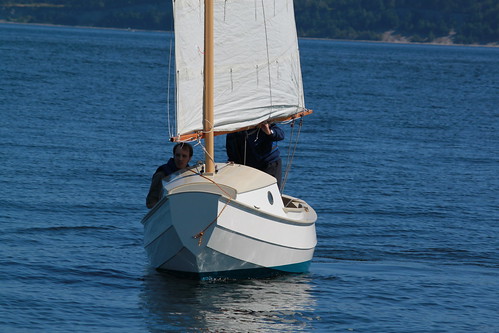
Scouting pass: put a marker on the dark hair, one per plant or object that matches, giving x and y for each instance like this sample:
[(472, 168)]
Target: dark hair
[(183, 145)]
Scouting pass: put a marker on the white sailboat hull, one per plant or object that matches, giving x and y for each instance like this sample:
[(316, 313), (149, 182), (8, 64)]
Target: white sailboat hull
[(232, 222)]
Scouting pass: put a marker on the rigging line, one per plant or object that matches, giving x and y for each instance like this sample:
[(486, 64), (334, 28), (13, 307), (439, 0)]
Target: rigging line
[(296, 142), (268, 58), (211, 126), (204, 150), (245, 146), (170, 62), (288, 158), (200, 234), (199, 143), (170, 132)]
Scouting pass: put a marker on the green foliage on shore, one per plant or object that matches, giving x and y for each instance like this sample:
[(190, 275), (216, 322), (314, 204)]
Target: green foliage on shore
[(134, 14), (457, 21)]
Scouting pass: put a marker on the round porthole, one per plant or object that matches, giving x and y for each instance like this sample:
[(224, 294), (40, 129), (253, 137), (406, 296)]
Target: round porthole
[(271, 198)]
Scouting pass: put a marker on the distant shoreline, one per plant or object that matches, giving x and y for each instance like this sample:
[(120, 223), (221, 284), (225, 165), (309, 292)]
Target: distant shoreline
[(391, 41), (402, 42), (77, 26)]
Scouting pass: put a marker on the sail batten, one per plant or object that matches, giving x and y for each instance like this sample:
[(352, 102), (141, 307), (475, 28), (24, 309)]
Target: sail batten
[(257, 65)]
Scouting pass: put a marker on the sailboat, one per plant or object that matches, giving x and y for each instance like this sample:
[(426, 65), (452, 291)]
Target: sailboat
[(237, 66)]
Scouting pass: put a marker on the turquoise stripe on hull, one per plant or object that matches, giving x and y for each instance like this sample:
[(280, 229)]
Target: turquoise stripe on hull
[(256, 273)]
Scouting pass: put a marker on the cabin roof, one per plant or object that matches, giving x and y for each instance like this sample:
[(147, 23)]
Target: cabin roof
[(237, 177)]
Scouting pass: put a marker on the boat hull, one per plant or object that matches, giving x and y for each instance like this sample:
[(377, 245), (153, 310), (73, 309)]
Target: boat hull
[(197, 229)]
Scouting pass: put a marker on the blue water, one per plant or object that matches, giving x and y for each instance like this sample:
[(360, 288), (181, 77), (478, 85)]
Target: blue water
[(400, 160)]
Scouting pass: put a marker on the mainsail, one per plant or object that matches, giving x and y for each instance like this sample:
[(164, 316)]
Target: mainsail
[(257, 63)]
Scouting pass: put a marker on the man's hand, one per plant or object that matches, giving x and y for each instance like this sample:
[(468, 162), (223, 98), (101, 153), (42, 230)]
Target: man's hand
[(265, 127)]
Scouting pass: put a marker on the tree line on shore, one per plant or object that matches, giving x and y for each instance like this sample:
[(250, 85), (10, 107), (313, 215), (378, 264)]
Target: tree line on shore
[(455, 21)]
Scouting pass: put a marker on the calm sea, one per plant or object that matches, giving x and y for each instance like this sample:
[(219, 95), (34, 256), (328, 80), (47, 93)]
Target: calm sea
[(400, 159)]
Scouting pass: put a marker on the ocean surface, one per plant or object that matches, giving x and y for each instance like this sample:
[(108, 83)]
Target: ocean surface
[(400, 159)]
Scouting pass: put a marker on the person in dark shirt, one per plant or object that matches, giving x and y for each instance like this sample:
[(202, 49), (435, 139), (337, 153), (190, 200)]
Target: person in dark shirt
[(182, 154), (257, 148)]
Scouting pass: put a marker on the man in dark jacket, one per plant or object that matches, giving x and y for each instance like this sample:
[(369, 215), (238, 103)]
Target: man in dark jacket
[(182, 154), (257, 148)]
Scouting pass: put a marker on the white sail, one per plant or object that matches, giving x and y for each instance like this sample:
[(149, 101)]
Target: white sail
[(257, 64)]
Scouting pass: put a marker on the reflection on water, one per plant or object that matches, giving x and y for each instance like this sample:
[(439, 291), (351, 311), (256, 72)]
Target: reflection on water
[(281, 304)]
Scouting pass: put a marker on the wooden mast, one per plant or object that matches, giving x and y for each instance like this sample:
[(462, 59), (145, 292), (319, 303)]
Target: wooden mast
[(208, 121)]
